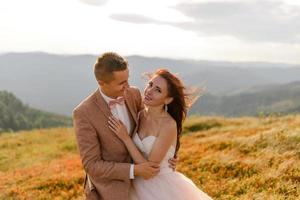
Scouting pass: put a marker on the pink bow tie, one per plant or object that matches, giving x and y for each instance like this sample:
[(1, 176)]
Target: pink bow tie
[(114, 102)]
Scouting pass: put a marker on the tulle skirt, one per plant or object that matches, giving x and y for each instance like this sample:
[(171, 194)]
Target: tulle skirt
[(166, 186)]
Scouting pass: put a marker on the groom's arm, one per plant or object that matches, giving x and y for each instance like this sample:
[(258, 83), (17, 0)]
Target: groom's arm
[(90, 152)]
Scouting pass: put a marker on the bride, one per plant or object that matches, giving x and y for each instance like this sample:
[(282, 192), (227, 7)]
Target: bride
[(157, 140)]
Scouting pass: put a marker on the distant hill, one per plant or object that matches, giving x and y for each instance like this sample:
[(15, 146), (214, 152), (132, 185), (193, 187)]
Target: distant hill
[(57, 83), (268, 99), (14, 115)]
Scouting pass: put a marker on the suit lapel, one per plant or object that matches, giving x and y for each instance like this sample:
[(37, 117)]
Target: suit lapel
[(102, 104), (137, 124), (129, 104)]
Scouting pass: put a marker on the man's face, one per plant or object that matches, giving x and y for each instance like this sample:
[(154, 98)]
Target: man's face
[(117, 85)]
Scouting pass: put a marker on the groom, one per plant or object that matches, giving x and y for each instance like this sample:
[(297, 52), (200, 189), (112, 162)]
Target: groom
[(105, 159)]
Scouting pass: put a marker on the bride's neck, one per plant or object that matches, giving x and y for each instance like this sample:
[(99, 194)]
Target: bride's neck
[(154, 112)]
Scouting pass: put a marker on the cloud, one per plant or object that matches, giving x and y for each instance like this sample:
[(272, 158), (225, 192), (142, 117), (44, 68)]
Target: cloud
[(133, 18), (269, 21), (255, 21), (94, 2)]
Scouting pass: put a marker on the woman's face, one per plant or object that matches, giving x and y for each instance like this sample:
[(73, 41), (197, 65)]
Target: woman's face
[(156, 92)]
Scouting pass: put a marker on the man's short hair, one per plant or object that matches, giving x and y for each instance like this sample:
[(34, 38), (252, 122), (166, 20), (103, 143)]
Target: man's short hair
[(106, 64)]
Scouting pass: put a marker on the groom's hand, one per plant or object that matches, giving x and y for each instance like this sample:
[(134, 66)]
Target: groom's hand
[(173, 162), (146, 170)]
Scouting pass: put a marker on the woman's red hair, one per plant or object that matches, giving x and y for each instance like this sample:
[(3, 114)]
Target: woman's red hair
[(180, 103)]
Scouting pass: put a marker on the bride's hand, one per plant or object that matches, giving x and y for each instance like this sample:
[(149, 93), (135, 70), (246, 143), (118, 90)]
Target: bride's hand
[(118, 128)]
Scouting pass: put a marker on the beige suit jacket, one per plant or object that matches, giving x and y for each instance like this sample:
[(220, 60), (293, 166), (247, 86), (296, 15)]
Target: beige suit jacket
[(104, 156)]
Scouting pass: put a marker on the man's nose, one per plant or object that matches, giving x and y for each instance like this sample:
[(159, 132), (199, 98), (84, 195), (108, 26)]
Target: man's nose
[(126, 85)]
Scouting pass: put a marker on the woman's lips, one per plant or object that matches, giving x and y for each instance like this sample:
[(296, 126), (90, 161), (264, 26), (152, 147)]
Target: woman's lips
[(147, 98)]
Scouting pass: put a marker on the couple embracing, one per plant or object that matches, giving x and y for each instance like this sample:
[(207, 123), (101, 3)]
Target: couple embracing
[(128, 144)]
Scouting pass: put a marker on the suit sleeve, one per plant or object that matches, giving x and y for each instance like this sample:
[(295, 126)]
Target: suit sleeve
[(90, 152)]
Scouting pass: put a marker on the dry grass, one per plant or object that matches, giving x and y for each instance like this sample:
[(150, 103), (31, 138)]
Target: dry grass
[(41, 164), (229, 158), (245, 158)]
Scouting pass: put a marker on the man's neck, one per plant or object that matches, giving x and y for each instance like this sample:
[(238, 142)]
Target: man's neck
[(107, 94)]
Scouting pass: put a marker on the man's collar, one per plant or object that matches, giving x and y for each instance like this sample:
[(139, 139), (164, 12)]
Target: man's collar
[(106, 98)]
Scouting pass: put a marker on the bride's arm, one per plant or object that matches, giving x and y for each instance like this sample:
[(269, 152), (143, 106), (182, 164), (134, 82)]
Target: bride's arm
[(134, 152), (160, 147), (168, 134)]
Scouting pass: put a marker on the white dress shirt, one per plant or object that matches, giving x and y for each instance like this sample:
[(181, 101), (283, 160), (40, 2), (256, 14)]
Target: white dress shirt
[(120, 112)]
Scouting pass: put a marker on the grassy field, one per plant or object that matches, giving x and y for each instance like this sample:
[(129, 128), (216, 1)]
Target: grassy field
[(236, 158)]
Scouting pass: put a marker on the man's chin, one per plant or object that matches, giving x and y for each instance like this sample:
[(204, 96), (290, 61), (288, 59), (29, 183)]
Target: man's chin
[(122, 94)]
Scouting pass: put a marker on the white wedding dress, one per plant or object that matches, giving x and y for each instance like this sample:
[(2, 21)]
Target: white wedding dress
[(168, 184)]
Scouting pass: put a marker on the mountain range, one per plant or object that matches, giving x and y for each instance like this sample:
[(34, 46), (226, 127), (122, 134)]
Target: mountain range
[(57, 83), (275, 99)]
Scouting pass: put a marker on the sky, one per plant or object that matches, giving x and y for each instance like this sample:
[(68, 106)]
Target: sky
[(228, 30)]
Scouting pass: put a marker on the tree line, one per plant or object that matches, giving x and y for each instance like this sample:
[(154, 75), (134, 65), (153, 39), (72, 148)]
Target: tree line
[(15, 116)]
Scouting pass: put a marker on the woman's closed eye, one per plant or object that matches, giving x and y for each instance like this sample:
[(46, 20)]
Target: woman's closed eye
[(150, 85)]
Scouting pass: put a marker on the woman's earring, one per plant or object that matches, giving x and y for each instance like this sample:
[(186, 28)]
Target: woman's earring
[(166, 107)]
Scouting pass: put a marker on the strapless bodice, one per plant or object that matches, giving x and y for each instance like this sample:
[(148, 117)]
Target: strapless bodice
[(145, 146)]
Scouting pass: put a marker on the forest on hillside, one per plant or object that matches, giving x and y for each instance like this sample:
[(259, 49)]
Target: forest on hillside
[(15, 115)]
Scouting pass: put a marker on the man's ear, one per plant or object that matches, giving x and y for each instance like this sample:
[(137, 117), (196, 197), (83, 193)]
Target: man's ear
[(101, 83), (169, 100)]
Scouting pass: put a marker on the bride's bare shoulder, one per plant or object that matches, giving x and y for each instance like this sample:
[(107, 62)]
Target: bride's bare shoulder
[(169, 125)]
